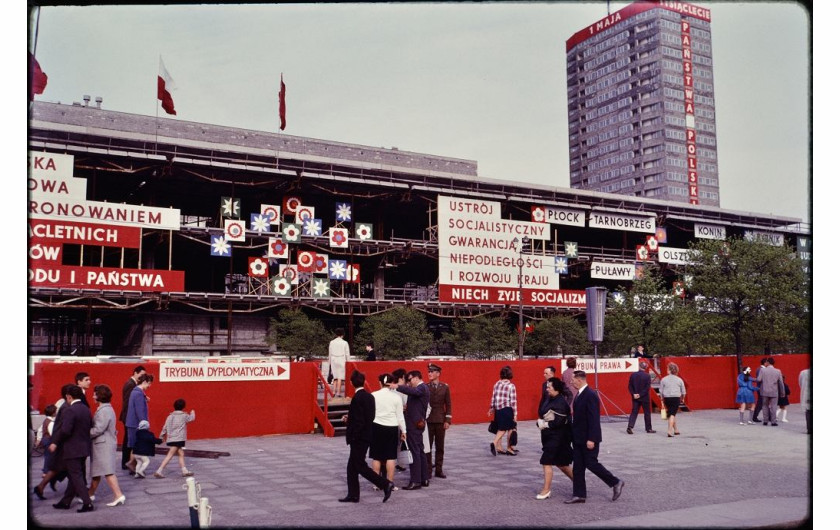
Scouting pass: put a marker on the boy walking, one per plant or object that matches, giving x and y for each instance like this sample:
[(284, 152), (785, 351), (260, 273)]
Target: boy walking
[(175, 431)]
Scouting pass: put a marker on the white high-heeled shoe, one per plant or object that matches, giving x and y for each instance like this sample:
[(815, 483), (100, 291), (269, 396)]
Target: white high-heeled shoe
[(118, 501), (540, 496)]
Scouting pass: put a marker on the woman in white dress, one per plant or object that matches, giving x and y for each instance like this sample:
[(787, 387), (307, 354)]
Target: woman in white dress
[(339, 355)]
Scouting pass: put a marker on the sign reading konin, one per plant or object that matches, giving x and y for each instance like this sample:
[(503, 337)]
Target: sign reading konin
[(479, 258)]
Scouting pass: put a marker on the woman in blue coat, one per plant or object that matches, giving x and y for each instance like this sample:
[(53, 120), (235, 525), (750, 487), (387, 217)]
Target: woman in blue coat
[(746, 394)]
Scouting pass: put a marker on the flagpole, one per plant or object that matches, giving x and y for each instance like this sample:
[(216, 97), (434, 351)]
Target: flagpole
[(157, 109)]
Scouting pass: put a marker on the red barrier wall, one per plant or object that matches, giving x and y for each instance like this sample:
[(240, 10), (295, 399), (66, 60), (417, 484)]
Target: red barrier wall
[(223, 409), (254, 408)]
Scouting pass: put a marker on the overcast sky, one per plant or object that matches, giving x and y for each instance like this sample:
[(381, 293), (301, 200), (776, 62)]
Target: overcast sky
[(480, 81)]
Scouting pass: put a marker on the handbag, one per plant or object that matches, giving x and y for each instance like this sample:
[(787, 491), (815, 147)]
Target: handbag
[(493, 427), (330, 376), (514, 437), (663, 413), (404, 455)]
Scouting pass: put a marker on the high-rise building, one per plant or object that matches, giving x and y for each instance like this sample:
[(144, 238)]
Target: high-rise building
[(642, 104)]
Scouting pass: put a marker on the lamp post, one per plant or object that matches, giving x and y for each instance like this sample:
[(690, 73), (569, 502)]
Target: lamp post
[(521, 337)]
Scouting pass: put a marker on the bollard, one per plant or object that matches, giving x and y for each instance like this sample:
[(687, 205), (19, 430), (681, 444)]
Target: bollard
[(205, 511), (193, 491)]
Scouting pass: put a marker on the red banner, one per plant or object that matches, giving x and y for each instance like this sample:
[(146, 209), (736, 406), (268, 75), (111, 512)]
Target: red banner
[(101, 235), (486, 294), (44, 274)]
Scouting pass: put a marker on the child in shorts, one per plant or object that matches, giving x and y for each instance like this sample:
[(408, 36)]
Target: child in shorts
[(175, 430)]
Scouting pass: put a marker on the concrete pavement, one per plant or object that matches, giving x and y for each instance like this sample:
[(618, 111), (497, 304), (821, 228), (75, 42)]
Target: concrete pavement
[(717, 473)]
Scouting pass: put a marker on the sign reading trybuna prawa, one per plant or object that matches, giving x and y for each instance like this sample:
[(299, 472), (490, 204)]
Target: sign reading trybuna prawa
[(193, 372), (613, 271)]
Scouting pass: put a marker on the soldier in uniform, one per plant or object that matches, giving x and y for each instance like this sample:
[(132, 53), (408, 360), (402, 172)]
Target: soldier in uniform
[(440, 418)]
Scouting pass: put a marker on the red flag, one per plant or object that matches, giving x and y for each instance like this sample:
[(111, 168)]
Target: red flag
[(282, 104), (164, 85), (39, 78)]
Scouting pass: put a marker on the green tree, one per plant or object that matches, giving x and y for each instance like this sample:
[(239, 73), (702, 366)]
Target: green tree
[(559, 335), (482, 337), (639, 315), (399, 333), (293, 332), (758, 291)]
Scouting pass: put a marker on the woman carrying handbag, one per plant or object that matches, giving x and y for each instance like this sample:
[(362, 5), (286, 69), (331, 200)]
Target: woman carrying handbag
[(556, 434)]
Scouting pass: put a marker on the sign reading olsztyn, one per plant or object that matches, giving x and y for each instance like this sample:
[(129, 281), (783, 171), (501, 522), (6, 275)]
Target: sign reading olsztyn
[(613, 271), (226, 371), (676, 256), (703, 231), (480, 263), (616, 221)]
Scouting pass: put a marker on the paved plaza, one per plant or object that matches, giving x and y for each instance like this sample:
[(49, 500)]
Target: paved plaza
[(717, 473)]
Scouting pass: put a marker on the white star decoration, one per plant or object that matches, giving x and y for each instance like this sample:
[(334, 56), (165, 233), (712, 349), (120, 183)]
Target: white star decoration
[(259, 222), (342, 212), (230, 206), (219, 247), (312, 227), (321, 287)]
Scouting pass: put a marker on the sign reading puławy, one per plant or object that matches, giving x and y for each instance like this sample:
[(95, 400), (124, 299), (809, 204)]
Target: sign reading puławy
[(479, 262), (195, 372)]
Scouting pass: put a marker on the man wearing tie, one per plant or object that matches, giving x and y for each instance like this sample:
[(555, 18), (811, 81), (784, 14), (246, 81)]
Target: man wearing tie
[(74, 438), (586, 437), (440, 418), (359, 420), (415, 422)]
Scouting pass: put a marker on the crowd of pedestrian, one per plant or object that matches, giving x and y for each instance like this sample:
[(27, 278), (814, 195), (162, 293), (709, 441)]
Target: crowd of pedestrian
[(81, 442)]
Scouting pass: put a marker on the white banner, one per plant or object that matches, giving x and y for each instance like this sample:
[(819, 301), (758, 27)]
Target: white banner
[(477, 248), (615, 221), (703, 231), (613, 271), (771, 238), (190, 372), (676, 256), (50, 165), (565, 216), (605, 366)]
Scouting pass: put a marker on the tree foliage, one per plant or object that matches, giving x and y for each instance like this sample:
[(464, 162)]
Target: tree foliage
[(482, 337), (559, 335), (757, 291), (399, 333), (293, 332)]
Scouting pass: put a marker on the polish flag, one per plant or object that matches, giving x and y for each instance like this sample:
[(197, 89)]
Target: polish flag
[(164, 85), (282, 104), (39, 78)]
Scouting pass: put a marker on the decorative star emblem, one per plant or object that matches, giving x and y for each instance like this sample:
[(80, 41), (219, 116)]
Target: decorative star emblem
[(338, 269), (321, 287), (561, 266), (342, 212), (230, 207), (571, 249), (259, 222), (618, 298), (312, 227), (219, 246)]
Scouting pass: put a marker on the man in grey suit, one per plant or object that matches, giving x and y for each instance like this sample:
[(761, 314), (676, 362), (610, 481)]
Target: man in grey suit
[(771, 387), (415, 421)]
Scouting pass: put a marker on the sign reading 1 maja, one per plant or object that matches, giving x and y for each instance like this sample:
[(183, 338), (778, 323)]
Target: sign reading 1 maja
[(479, 261)]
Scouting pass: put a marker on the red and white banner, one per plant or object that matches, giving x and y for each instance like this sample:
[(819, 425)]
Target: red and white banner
[(165, 85), (102, 235), (510, 296), (195, 372), (146, 280)]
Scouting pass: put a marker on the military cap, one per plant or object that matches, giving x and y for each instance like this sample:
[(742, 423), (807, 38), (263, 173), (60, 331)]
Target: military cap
[(433, 367)]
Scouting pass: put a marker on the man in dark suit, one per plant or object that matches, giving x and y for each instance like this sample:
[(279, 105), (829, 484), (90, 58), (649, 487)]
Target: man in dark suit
[(639, 388), (74, 438), (548, 373), (359, 420), (586, 437), (415, 424), (126, 395)]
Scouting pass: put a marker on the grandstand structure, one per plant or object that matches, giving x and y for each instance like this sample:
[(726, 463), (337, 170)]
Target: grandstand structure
[(181, 276)]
